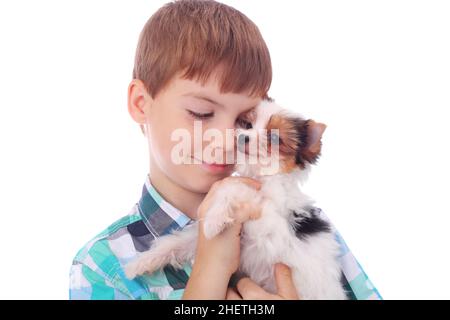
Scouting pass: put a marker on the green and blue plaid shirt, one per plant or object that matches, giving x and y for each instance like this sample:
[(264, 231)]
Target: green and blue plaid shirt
[(97, 271)]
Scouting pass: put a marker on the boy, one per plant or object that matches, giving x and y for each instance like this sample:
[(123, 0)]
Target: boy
[(202, 61)]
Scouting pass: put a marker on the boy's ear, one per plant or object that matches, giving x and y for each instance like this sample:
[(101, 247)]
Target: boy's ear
[(138, 99), (311, 133)]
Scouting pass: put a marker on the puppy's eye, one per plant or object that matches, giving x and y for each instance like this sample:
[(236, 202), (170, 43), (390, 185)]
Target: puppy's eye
[(244, 124), (274, 138)]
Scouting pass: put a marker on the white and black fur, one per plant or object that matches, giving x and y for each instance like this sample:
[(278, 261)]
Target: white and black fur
[(290, 230)]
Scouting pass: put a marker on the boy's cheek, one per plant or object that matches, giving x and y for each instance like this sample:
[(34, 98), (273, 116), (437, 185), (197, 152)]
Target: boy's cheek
[(191, 176)]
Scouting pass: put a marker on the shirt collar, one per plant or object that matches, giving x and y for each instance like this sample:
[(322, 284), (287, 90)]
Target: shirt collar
[(159, 216)]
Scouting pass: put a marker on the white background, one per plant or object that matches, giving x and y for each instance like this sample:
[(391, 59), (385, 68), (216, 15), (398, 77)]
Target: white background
[(377, 72)]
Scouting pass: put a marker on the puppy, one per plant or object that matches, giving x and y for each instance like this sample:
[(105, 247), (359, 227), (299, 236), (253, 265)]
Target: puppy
[(277, 148)]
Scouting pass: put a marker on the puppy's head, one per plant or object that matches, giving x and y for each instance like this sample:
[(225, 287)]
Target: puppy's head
[(277, 142)]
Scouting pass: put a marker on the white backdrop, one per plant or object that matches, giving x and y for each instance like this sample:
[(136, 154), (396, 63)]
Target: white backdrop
[(377, 72)]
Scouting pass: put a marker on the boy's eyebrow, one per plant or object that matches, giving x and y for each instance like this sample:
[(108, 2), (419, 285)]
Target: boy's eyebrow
[(203, 97)]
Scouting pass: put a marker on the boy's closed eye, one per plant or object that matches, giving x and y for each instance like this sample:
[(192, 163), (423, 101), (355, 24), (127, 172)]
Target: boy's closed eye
[(241, 122), (201, 116)]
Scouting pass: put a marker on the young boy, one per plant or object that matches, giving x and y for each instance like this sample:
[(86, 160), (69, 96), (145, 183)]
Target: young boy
[(195, 61)]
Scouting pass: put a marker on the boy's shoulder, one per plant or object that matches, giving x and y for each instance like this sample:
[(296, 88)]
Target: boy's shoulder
[(97, 267), (105, 240), (113, 231)]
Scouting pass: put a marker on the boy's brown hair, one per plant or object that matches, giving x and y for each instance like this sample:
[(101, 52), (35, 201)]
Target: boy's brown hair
[(196, 37)]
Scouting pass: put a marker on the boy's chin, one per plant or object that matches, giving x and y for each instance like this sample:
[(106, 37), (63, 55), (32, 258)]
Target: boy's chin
[(204, 181)]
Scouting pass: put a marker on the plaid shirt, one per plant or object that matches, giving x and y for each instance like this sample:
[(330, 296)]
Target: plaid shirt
[(97, 271)]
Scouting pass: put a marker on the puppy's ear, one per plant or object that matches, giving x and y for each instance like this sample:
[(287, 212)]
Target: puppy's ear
[(310, 133)]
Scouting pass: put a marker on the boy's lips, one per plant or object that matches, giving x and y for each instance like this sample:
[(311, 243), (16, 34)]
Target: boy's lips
[(215, 167)]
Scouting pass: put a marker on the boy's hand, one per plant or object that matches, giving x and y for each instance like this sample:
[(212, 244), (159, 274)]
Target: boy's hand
[(249, 290), (224, 248), (217, 258)]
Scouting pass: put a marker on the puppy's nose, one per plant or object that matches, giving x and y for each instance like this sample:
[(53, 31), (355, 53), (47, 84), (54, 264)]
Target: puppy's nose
[(243, 139)]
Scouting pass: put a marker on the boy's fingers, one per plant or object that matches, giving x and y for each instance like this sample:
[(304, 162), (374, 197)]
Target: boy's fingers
[(255, 213), (285, 284), (249, 290), (210, 195), (208, 198), (213, 189), (235, 229), (245, 211), (232, 295), (250, 182)]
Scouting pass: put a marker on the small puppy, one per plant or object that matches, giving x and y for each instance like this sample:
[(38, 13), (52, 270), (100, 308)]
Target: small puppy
[(289, 229)]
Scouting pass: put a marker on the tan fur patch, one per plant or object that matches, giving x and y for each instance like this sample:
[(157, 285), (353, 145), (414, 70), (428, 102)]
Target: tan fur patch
[(287, 131)]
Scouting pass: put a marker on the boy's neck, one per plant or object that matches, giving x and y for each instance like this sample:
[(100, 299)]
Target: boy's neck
[(182, 199)]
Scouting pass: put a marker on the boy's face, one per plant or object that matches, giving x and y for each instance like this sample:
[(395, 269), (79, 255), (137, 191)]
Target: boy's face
[(181, 105)]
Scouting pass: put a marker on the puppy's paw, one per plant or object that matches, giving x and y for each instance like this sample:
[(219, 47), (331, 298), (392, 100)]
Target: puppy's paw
[(146, 263), (133, 269)]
